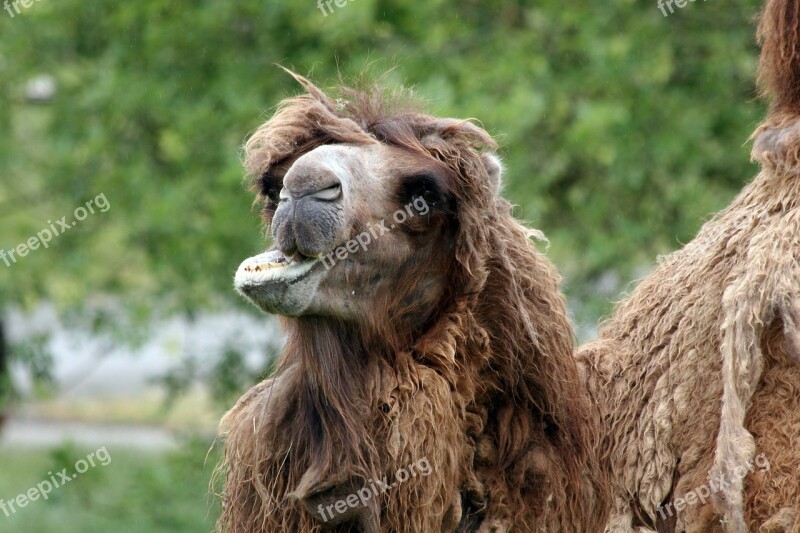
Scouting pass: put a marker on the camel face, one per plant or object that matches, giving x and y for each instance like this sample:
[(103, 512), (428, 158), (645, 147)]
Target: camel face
[(351, 223)]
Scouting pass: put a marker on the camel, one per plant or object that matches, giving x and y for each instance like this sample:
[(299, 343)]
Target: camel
[(697, 373), (428, 383)]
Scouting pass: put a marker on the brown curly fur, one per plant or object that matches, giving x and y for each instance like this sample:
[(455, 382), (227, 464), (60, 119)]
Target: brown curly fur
[(697, 371), (488, 392)]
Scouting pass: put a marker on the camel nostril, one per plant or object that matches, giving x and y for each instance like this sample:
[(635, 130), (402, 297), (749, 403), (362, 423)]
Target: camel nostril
[(328, 194), (310, 218)]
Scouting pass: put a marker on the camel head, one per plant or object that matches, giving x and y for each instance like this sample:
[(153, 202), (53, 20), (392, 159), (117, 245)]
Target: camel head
[(420, 321), (378, 217), (364, 214)]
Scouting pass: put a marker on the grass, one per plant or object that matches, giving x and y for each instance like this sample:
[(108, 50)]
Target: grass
[(192, 411), (134, 492)]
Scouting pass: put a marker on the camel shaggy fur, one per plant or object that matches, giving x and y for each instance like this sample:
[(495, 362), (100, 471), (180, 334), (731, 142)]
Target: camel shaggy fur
[(697, 374), (446, 339)]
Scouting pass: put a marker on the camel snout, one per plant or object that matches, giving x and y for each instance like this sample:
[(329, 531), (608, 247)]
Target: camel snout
[(309, 219)]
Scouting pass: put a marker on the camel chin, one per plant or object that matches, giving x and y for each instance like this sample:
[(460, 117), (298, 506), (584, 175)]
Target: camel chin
[(279, 285)]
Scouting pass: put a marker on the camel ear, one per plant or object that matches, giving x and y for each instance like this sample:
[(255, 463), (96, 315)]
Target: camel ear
[(494, 168)]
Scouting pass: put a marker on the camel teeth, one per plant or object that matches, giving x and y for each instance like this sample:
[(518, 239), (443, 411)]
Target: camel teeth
[(264, 266)]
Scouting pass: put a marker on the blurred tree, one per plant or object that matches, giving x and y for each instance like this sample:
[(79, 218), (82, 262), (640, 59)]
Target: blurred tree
[(621, 128)]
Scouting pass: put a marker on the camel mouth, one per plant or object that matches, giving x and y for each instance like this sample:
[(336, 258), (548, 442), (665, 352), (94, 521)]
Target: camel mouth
[(272, 266), (278, 284)]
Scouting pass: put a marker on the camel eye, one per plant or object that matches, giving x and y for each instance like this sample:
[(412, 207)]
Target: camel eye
[(272, 194), (425, 188), (270, 188), (430, 196)]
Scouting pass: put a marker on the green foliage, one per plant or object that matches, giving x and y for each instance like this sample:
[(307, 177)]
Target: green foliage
[(621, 129), (133, 493), (37, 357)]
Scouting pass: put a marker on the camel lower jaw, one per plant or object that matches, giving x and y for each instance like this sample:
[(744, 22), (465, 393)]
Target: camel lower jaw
[(276, 284)]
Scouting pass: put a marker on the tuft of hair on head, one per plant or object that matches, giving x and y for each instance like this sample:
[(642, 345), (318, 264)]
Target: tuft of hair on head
[(778, 36), (370, 112)]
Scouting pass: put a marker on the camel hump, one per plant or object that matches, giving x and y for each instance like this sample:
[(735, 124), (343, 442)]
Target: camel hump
[(779, 67)]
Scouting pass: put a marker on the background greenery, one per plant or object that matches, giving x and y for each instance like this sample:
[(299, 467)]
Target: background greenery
[(135, 492), (622, 130)]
